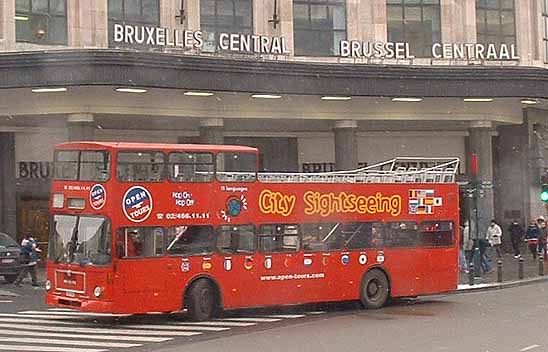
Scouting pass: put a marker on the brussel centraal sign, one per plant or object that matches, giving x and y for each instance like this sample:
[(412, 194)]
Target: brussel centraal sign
[(444, 51), (260, 44)]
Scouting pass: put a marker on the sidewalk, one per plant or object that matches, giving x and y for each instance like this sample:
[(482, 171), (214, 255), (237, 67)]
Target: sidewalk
[(510, 267)]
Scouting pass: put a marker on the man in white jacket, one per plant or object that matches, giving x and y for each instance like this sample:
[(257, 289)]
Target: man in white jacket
[(494, 236)]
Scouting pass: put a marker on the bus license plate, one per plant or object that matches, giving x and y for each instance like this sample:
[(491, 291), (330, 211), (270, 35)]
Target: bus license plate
[(8, 261), (71, 294)]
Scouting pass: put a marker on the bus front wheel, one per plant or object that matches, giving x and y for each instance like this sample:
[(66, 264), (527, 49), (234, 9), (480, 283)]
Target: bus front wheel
[(201, 300), (375, 289)]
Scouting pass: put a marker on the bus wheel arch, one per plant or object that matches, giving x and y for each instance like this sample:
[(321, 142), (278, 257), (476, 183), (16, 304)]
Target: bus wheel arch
[(375, 288), (202, 298)]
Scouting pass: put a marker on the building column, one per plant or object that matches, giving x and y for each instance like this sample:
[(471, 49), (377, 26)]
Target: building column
[(7, 25), (211, 131), (346, 145), (481, 144), (8, 196), (81, 127)]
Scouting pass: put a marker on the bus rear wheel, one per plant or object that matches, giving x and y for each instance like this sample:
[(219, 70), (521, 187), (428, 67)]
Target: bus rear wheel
[(201, 300), (375, 289)]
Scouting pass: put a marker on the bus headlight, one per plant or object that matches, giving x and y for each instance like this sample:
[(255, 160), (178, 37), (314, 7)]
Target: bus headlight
[(98, 291), (48, 285)]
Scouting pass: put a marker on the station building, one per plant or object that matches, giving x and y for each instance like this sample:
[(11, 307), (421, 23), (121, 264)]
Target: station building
[(317, 85)]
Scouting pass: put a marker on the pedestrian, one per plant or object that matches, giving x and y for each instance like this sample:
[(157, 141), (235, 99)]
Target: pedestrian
[(531, 236), (29, 259), (467, 242), (542, 234), (494, 236), (462, 257), (516, 234), (485, 259)]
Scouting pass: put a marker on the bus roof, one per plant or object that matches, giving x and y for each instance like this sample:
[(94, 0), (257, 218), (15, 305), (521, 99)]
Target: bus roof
[(155, 146)]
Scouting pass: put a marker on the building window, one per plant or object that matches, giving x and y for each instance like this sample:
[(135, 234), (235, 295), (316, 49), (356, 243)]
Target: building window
[(224, 16), (319, 26), (140, 13), (416, 22), (41, 21), (545, 18), (496, 22)]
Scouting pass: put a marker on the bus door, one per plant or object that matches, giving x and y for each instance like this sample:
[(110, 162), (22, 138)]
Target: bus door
[(280, 265), (142, 269), (237, 274), (318, 264), (406, 261), (439, 238)]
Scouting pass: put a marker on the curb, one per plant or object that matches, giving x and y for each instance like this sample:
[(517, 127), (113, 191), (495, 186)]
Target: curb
[(498, 285), (4, 293)]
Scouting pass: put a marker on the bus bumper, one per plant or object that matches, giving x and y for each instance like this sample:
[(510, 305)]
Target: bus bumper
[(86, 305)]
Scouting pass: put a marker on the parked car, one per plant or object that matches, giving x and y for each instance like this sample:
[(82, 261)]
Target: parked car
[(10, 252)]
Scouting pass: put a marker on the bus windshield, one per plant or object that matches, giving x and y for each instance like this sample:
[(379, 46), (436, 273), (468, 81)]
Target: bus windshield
[(81, 240)]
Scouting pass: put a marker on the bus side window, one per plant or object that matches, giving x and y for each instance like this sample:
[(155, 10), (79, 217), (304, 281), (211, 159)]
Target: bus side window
[(437, 234), (401, 234), (144, 166), (359, 235), (135, 242), (190, 240), (130, 242), (315, 236), (279, 238), (233, 239)]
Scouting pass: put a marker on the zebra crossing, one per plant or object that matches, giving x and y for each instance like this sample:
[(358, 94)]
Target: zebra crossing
[(63, 330)]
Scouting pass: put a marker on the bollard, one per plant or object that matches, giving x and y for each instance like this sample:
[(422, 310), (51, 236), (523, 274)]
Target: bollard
[(499, 270), (520, 268), (471, 274), (540, 265)]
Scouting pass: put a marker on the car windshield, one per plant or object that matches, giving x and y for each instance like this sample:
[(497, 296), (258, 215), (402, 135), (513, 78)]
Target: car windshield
[(6, 241), (81, 240)]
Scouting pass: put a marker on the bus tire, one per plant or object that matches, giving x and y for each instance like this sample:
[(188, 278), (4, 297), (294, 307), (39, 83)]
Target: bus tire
[(201, 300), (375, 289)]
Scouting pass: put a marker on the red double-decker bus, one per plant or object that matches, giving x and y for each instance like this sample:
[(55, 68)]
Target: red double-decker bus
[(162, 227)]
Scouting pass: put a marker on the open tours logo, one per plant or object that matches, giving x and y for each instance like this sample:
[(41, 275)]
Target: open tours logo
[(97, 196), (137, 204)]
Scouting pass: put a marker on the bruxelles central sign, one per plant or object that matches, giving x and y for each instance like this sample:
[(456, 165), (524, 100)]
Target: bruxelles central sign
[(260, 44), (187, 39)]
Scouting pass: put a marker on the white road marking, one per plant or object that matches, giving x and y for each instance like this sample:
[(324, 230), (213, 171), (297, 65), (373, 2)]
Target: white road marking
[(254, 320), (6, 301), (69, 342), (107, 331), (175, 327), (47, 349), (18, 319), (528, 348), (89, 337), (83, 314), (43, 317), (286, 316), (316, 313), (215, 323)]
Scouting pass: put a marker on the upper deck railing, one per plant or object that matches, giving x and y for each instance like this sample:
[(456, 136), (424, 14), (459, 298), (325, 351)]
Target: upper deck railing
[(397, 170)]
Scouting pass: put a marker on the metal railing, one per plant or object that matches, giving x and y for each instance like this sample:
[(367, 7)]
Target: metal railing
[(397, 170)]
